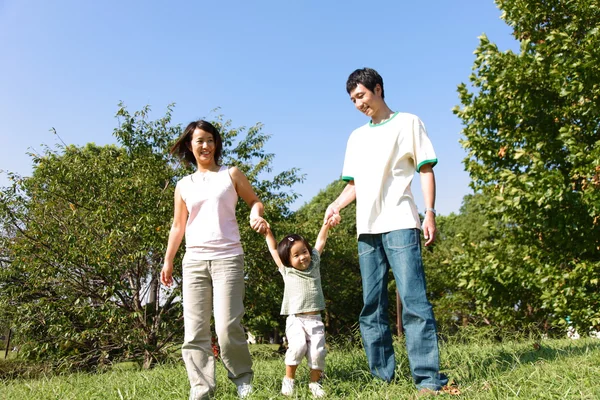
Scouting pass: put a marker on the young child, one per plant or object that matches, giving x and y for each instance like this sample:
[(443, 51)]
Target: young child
[(303, 301)]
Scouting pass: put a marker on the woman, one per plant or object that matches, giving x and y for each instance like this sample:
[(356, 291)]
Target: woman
[(213, 265)]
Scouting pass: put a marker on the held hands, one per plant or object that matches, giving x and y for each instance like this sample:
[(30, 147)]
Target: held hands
[(429, 228), (334, 220), (267, 231), (259, 224), (332, 215)]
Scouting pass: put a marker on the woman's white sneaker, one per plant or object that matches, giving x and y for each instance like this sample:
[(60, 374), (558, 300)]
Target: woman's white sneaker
[(244, 390)]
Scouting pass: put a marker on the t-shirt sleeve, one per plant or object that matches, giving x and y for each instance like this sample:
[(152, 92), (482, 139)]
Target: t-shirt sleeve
[(348, 172), (423, 148)]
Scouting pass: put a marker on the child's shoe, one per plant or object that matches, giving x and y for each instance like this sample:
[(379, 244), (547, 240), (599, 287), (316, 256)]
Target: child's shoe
[(316, 389), (287, 386)]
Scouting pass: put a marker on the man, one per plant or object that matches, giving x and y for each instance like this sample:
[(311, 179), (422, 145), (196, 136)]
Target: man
[(381, 159)]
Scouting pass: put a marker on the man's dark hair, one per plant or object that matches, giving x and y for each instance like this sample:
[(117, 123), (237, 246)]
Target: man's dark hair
[(368, 77)]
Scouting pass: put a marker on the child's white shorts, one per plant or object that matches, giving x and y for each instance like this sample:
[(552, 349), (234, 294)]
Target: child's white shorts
[(306, 337)]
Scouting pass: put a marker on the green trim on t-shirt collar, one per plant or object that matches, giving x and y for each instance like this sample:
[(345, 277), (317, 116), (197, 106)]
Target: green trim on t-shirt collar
[(372, 125), (347, 178), (433, 162)]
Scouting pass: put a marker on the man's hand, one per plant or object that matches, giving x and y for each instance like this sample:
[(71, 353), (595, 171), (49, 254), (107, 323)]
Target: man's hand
[(429, 228), (332, 215), (334, 220)]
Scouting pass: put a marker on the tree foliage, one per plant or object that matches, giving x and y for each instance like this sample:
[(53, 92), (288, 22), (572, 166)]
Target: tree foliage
[(453, 305), (89, 228), (84, 239), (472, 269), (532, 133)]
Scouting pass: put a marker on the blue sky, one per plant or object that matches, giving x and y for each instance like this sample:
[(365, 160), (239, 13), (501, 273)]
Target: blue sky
[(67, 63)]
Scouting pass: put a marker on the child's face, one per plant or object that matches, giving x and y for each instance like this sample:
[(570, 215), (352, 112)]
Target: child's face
[(299, 256)]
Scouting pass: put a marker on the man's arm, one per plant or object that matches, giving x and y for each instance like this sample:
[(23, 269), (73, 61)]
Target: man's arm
[(428, 186), (347, 196)]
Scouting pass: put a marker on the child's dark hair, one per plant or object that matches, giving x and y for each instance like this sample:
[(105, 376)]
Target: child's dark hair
[(285, 246)]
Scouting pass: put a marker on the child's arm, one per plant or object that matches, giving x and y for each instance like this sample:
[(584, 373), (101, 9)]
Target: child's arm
[(322, 237), (272, 244)]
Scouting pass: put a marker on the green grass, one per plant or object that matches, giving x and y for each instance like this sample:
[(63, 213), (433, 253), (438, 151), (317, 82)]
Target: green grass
[(483, 369)]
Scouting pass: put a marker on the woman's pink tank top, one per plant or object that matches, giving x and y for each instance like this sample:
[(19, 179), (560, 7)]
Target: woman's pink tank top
[(211, 231)]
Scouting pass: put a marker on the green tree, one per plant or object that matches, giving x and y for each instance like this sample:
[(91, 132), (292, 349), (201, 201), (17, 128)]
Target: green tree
[(452, 306), (532, 134), (472, 270), (85, 236), (89, 230)]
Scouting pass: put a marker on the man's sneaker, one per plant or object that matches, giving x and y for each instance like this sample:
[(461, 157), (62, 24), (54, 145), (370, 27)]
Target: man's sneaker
[(287, 386), (425, 392), (244, 390), (316, 389)]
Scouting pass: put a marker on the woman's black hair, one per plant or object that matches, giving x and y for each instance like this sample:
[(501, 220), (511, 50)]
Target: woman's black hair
[(183, 148)]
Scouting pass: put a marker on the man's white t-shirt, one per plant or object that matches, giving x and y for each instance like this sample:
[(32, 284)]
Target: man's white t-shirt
[(382, 159)]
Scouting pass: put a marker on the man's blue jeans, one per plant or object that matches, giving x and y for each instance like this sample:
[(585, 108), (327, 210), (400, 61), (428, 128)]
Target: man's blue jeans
[(399, 250)]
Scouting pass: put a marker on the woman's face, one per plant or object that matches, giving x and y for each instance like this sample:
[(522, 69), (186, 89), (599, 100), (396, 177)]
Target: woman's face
[(203, 147)]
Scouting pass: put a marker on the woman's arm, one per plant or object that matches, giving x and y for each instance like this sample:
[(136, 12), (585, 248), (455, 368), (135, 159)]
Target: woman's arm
[(176, 233), (246, 192)]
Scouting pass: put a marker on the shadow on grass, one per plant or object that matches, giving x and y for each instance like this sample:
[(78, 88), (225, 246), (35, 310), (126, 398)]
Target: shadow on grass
[(350, 364), (539, 352), (471, 366), (20, 369)]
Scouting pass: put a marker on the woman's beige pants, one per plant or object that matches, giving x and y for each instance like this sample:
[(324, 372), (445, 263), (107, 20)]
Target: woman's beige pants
[(218, 285)]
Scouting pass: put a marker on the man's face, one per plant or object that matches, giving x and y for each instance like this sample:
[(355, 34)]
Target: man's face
[(365, 101)]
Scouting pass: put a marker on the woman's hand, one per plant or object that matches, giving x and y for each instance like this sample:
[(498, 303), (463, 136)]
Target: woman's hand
[(259, 224), (166, 274)]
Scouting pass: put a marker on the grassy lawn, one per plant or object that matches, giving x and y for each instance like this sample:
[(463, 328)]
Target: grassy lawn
[(550, 369)]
